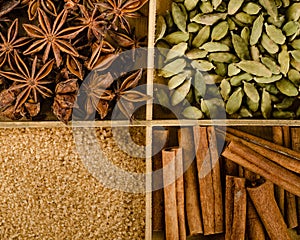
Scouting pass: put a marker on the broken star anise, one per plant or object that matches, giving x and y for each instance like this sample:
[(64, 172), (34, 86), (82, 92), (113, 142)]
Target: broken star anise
[(52, 36), (10, 43), (30, 84), (65, 97)]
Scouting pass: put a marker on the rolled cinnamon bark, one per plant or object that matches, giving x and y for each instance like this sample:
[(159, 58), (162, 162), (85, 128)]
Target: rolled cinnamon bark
[(180, 193), (290, 211), (235, 208), (208, 166), (171, 217), (264, 143), (186, 142), (295, 136), (160, 140), (280, 158), (255, 229), (266, 207), (257, 163), (279, 191), (216, 177)]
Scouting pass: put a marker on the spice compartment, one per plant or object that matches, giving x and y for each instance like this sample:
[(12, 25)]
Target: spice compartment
[(228, 169)]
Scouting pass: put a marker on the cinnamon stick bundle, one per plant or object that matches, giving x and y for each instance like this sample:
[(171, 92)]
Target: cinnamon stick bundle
[(257, 163), (208, 166), (185, 138), (235, 208), (255, 229), (265, 204), (169, 176), (160, 140)]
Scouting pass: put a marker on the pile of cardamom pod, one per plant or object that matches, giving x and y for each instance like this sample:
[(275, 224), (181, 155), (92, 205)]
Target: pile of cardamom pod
[(238, 55)]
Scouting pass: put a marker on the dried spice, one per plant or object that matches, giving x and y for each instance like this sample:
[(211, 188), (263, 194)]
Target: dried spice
[(68, 40), (250, 51)]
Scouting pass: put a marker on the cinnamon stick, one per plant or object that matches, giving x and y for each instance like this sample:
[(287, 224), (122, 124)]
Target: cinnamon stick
[(160, 140), (230, 167), (280, 158), (264, 143), (265, 204), (209, 178), (216, 177), (295, 136), (235, 208), (180, 193), (171, 217), (255, 229), (290, 200), (279, 191), (186, 142), (257, 163)]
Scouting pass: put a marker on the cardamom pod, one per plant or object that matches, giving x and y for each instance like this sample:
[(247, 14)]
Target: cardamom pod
[(202, 36), (257, 29), (224, 57), (177, 37), (284, 60), (235, 101), (180, 93), (225, 89), (254, 68), (192, 112), (287, 88), (266, 104), (179, 17), (273, 78), (173, 68), (275, 34), (219, 31), (176, 51), (177, 80), (252, 8), (237, 80), (233, 70), (269, 44), (215, 47), (196, 53), (161, 27), (240, 47), (209, 19), (251, 91), (234, 6)]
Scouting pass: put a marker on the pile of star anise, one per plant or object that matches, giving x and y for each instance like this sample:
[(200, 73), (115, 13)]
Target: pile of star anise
[(51, 48)]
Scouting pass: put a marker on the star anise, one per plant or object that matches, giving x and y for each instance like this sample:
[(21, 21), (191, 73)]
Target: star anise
[(94, 22), (98, 49), (34, 5), (10, 43), (126, 97), (66, 93), (120, 10), (95, 94), (30, 84), (52, 36)]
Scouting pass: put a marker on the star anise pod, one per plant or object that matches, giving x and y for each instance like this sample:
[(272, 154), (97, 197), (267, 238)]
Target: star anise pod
[(66, 94), (34, 5), (126, 97), (30, 84), (94, 22), (98, 49), (119, 10), (95, 94), (52, 37), (10, 43)]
